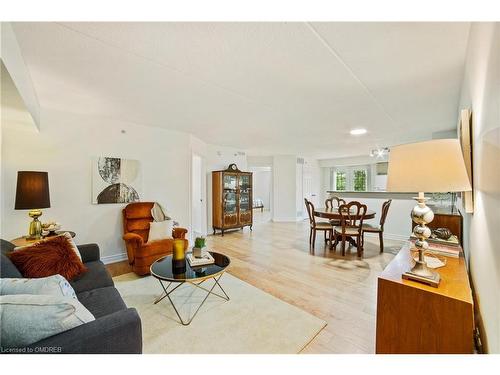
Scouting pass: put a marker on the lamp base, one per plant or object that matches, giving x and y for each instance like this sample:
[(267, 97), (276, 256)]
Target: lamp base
[(429, 280), (35, 230), (422, 215)]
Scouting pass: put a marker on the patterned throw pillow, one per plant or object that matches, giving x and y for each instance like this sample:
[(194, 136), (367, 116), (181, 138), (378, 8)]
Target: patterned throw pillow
[(53, 285), (49, 257), (28, 318)]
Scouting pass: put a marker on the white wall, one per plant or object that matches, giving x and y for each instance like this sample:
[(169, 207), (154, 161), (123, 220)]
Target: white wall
[(64, 148), (481, 93), (284, 188)]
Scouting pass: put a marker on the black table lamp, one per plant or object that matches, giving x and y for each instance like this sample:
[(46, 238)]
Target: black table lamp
[(32, 193)]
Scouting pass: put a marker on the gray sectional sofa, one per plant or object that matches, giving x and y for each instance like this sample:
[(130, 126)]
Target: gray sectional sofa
[(117, 329)]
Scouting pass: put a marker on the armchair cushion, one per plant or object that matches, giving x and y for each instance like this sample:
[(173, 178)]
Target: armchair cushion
[(160, 230)]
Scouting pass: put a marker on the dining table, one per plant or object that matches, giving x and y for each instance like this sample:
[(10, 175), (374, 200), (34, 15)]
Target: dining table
[(332, 213)]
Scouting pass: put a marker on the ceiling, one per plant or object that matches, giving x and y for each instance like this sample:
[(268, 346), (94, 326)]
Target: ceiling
[(266, 88)]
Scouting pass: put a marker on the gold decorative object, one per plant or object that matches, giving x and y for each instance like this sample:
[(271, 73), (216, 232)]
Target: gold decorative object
[(431, 166)]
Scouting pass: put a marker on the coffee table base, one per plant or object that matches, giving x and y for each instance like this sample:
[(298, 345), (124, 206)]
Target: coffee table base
[(166, 293)]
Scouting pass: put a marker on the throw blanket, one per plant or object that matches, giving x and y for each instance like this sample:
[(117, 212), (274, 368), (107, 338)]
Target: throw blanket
[(158, 213)]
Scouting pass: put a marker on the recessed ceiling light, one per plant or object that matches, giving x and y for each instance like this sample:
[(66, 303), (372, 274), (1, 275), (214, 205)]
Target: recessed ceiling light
[(358, 131)]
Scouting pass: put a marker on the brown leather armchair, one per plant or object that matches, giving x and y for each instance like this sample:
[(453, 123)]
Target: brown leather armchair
[(141, 253)]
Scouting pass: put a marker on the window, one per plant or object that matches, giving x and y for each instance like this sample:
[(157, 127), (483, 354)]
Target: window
[(340, 181), (351, 178), (359, 179)]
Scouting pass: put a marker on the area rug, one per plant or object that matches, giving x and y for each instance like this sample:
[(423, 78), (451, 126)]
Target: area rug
[(252, 321)]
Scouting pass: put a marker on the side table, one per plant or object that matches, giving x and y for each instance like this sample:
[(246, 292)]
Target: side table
[(24, 241)]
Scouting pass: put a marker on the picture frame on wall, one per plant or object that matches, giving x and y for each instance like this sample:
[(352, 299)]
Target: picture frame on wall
[(465, 130), (116, 180)]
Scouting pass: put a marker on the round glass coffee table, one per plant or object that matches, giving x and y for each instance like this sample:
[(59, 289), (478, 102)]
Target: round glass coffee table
[(168, 272)]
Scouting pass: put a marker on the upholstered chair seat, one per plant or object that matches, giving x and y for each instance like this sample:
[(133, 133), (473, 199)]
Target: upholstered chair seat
[(323, 225), (141, 253), (371, 228), (350, 231)]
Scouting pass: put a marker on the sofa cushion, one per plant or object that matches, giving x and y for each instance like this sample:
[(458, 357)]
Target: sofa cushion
[(96, 277), (7, 268), (102, 301), (49, 257), (28, 318), (55, 285)]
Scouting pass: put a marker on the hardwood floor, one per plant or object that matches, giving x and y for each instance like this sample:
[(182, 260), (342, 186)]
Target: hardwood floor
[(340, 290)]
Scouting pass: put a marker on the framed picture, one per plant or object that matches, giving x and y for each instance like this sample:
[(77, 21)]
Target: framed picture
[(115, 180), (466, 141)]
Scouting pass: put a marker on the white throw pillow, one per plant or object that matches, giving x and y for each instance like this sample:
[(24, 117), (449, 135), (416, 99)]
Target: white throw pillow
[(160, 230), (28, 318), (55, 285), (65, 234)]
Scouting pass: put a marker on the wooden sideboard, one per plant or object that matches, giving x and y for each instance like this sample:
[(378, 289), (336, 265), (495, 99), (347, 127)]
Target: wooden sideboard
[(414, 318)]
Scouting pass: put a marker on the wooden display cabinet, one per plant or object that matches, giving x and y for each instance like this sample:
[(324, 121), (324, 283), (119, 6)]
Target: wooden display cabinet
[(231, 199)]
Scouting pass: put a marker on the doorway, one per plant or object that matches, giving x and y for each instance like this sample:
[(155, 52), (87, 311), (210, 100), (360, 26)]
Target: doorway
[(262, 194), (198, 201)]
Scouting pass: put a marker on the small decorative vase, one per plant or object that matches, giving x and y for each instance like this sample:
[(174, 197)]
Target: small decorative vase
[(178, 250), (198, 252)]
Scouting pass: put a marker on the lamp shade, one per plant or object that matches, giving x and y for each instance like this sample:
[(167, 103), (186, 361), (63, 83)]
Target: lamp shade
[(32, 190), (432, 166)]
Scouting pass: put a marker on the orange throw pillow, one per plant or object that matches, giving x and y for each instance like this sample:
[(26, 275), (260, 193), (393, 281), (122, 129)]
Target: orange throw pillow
[(46, 258)]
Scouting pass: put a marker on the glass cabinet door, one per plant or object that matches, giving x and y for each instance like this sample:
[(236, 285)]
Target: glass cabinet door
[(230, 182), (230, 202), (244, 182), (244, 201)]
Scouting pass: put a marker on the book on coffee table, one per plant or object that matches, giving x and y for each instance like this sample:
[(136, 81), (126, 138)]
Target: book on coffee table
[(206, 259)]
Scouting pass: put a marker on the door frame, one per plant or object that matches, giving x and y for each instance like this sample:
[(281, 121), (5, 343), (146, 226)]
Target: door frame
[(203, 182)]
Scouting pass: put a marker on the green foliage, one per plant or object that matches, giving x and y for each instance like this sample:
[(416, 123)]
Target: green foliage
[(360, 180), (199, 242), (340, 181)]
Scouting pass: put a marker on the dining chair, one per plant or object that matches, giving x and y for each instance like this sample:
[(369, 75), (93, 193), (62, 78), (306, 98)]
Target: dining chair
[(352, 215), (334, 202), (317, 226), (369, 228)]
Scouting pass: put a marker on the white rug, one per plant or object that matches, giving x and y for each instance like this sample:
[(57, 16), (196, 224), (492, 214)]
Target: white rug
[(251, 322)]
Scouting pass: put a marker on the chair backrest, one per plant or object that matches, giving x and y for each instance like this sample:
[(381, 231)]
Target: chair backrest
[(310, 211), (385, 210), (338, 202), (352, 214), (136, 218)]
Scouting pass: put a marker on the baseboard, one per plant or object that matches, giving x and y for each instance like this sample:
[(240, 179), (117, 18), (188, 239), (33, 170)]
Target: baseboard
[(114, 258)]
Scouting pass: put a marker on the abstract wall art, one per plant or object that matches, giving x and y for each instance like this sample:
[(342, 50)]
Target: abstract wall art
[(115, 180)]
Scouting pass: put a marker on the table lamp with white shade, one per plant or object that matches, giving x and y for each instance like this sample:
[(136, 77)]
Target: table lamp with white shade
[(432, 166)]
